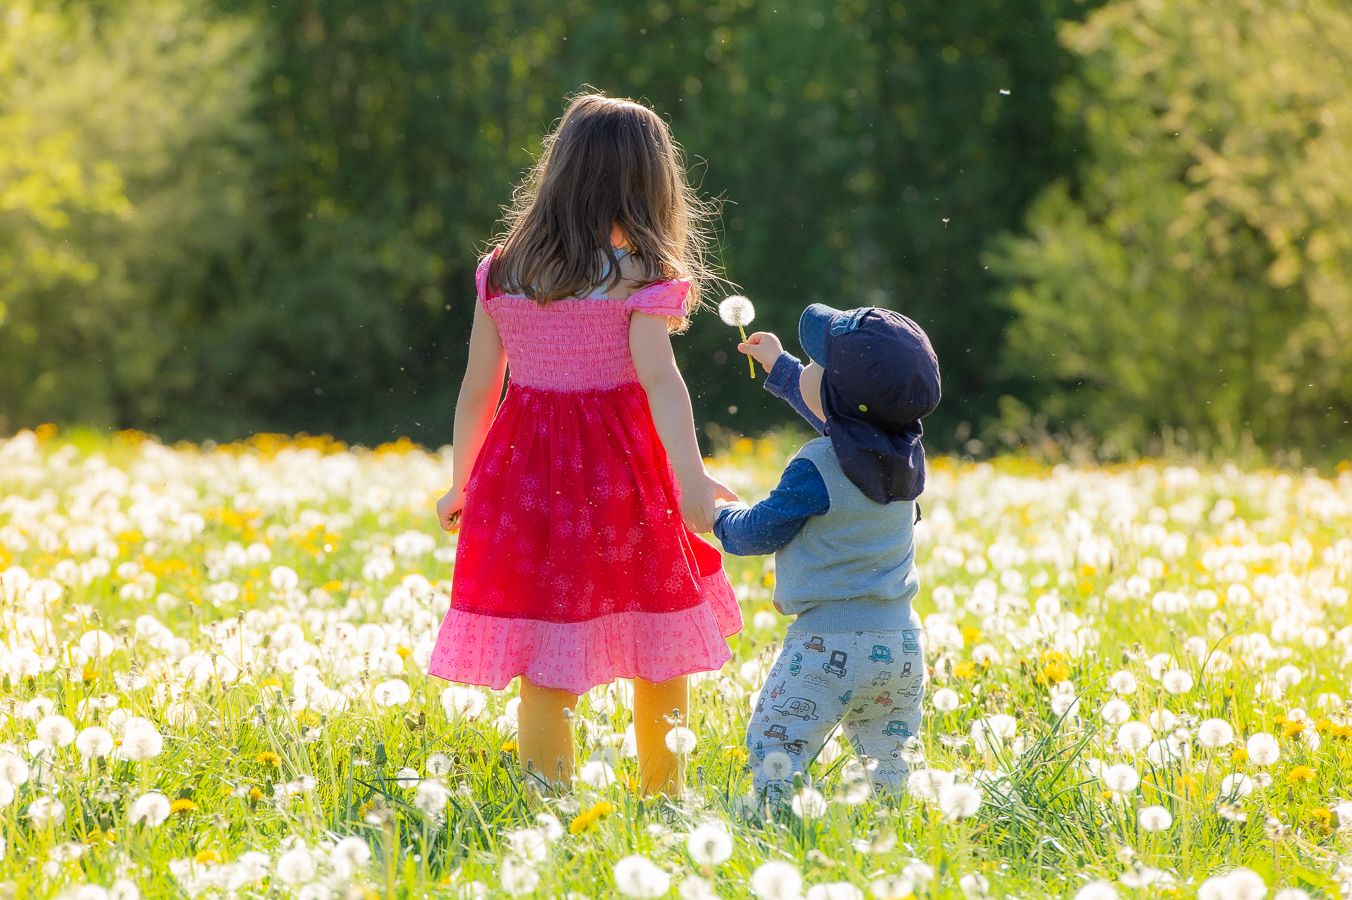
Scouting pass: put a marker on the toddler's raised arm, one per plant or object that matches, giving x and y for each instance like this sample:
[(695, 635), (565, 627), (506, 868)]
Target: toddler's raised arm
[(784, 369)]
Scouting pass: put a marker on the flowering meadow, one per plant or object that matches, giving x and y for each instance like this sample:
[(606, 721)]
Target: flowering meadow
[(213, 686)]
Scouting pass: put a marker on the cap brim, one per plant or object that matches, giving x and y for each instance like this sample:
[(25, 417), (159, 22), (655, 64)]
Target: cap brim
[(813, 327)]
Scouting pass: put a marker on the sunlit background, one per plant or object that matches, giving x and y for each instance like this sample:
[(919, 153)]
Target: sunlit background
[(1125, 225)]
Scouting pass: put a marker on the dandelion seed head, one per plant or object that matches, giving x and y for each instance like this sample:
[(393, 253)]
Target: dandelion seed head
[(777, 766), (681, 740), (637, 876), (777, 880), (710, 844), (1133, 737), (1154, 818), (1121, 778), (1262, 749), (736, 311), (55, 731), (959, 801), (1215, 733), (94, 742)]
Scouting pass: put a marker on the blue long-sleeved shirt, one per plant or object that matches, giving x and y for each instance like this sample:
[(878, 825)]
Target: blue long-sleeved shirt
[(801, 494)]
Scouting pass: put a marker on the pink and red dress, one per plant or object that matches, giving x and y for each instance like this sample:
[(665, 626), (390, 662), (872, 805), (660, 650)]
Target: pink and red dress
[(574, 566)]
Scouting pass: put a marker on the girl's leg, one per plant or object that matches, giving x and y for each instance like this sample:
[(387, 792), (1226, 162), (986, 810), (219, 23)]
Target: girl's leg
[(544, 735), (659, 770)]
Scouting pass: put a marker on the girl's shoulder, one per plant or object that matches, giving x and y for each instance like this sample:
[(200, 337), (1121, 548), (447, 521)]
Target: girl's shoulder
[(659, 298)]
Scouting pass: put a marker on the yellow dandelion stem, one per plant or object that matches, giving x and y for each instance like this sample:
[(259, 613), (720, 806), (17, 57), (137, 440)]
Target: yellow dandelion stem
[(750, 363)]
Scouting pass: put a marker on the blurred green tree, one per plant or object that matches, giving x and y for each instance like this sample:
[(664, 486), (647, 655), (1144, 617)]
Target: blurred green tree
[(1196, 273), (124, 200), (309, 184)]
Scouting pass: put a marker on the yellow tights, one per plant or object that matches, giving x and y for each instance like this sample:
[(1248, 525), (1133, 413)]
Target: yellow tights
[(545, 738)]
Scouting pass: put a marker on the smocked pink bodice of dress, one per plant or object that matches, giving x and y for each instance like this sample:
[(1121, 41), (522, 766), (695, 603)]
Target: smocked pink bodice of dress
[(574, 566)]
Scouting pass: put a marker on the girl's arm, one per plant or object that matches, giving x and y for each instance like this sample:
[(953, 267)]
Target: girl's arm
[(475, 408), (669, 400)]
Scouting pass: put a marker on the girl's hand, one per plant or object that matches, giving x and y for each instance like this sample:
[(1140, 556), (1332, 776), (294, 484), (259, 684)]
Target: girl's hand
[(763, 347), (698, 499), (449, 507)]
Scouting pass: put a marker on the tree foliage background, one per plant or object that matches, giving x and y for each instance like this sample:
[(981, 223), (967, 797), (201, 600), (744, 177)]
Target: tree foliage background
[(223, 216)]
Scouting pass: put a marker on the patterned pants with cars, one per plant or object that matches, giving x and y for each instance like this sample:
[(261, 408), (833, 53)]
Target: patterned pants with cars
[(871, 683)]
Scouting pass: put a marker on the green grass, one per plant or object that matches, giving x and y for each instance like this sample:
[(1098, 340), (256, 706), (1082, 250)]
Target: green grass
[(223, 691)]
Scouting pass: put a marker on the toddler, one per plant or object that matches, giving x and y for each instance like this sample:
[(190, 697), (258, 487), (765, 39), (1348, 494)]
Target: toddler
[(840, 526)]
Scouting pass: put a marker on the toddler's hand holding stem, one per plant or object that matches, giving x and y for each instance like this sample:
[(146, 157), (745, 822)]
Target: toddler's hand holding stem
[(763, 347), (698, 498)]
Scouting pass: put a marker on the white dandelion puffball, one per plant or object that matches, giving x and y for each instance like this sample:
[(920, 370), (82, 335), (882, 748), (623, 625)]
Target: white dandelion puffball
[(710, 844), (284, 578), (945, 700), (46, 809), (431, 797), (1123, 683), (94, 742), (394, 692), (529, 843), (296, 867), (926, 784), (681, 740), (1263, 749), (1237, 884), (550, 826), (809, 803), (1234, 786), (1176, 681), (777, 766), (518, 877), (959, 801), (463, 702), (1097, 890), (1121, 778), (596, 774), (1154, 818), (1133, 737), (13, 769), (142, 742), (349, 856), (736, 311), (1215, 733), (834, 890), (973, 885), (893, 887), (638, 876), (1291, 894), (55, 731), (152, 809), (124, 889), (777, 880), (1115, 712)]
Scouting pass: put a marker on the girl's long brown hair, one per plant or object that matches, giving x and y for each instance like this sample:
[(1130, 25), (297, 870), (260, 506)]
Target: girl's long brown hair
[(609, 162)]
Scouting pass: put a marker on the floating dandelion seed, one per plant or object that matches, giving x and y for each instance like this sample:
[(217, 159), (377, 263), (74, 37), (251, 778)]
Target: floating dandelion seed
[(738, 312)]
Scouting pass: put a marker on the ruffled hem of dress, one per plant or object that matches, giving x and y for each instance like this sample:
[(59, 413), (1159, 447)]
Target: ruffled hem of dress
[(473, 648)]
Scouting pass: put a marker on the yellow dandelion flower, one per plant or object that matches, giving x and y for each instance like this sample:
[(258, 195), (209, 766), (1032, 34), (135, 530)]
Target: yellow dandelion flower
[(404, 652), (1322, 814), (508, 746), (333, 585), (182, 806), (1291, 729), (1239, 755), (964, 669), (1299, 774), (206, 856), (255, 794), (268, 758), (971, 635), (88, 674), (584, 820)]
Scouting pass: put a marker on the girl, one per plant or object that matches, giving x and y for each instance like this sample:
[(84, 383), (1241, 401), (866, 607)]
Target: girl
[(577, 563)]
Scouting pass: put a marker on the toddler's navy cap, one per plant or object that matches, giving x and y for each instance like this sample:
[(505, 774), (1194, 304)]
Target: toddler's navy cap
[(881, 377)]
